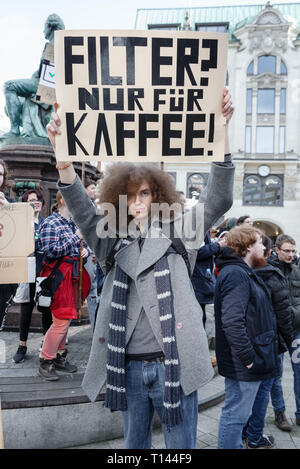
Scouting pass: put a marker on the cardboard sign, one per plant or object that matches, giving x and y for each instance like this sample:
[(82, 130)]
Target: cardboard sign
[(46, 89), (17, 270), (140, 96), (16, 230), (16, 243)]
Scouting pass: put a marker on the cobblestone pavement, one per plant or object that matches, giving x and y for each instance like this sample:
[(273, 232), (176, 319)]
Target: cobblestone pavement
[(79, 346), (208, 422)]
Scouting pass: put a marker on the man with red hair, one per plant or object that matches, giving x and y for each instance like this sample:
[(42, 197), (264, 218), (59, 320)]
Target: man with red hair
[(246, 332)]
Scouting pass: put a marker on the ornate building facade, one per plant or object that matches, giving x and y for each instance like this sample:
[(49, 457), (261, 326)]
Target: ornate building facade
[(264, 81)]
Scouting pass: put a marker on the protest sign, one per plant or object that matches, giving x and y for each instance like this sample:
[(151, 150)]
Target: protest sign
[(140, 96), (16, 243), (46, 89)]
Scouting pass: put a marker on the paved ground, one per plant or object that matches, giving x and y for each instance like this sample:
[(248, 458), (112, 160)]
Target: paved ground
[(79, 346)]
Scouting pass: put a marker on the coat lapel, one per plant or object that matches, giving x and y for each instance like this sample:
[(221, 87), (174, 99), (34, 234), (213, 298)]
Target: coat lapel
[(155, 246), (127, 258)]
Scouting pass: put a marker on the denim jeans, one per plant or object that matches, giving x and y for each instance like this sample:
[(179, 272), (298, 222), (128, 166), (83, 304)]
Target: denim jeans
[(239, 400), (145, 384), (256, 421), (276, 390), (295, 360)]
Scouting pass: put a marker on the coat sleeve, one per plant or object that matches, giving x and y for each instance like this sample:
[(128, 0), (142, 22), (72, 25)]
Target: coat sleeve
[(235, 295), (282, 308), (84, 214), (216, 199)]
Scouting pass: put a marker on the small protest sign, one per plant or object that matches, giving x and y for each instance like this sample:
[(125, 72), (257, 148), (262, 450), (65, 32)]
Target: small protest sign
[(46, 89), (16, 243), (140, 95)]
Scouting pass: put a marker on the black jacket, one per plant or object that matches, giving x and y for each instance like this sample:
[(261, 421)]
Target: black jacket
[(246, 330), (275, 281), (203, 281), (291, 274)]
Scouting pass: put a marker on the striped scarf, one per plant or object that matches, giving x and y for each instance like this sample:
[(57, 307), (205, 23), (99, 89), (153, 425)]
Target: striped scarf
[(115, 389)]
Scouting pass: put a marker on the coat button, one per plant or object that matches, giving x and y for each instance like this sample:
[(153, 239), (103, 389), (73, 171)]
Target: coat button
[(179, 325), (101, 340)]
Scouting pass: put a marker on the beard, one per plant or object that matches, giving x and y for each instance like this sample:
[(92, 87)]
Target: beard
[(258, 262)]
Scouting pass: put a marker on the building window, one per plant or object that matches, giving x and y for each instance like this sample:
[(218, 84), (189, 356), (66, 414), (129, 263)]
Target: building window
[(283, 101), (265, 101), (248, 139), (166, 27), (272, 189), (281, 139), (212, 27), (264, 139), (250, 69), (283, 69), (265, 191), (266, 63), (249, 101), (196, 182)]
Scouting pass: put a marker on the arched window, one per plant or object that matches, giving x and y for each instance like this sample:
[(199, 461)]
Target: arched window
[(252, 190), (272, 188), (283, 69), (250, 69), (266, 63), (265, 191), (195, 184)]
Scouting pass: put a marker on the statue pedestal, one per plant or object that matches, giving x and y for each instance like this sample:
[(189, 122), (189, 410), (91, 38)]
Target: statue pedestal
[(30, 161)]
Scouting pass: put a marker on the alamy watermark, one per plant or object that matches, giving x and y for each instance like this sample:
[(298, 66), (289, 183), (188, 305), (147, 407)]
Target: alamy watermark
[(160, 220)]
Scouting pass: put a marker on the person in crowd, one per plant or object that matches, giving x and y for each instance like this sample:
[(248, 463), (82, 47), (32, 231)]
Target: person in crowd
[(225, 227), (203, 278), (213, 232), (285, 247), (7, 291), (34, 197), (275, 282), (246, 331), (244, 220), (182, 199), (149, 332), (91, 264), (59, 239)]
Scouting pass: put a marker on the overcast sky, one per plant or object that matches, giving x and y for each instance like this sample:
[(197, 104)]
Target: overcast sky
[(22, 22)]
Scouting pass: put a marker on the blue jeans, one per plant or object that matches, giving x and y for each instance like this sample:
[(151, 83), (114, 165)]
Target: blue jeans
[(145, 384), (256, 422), (276, 390), (239, 400)]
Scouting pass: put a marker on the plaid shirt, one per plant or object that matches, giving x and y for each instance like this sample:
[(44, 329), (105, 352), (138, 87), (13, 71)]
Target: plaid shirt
[(57, 237)]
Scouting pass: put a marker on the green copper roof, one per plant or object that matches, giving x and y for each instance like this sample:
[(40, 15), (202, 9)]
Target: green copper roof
[(234, 15)]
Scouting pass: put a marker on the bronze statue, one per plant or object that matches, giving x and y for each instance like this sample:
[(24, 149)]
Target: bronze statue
[(21, 106)]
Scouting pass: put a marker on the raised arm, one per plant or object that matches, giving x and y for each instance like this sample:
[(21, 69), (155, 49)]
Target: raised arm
[(216, 199), (80, 206)]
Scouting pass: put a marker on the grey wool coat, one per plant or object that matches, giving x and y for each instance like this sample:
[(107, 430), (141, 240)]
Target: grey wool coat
[(195, 364)]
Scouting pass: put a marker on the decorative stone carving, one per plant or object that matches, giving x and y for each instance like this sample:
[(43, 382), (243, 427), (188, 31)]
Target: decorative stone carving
[(268, 18), (268, 40)]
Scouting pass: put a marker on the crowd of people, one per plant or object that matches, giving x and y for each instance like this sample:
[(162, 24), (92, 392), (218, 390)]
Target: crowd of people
[(149, 349)]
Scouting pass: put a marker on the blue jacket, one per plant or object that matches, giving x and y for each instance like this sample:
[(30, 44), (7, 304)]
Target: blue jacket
[(202, 280), (246, 330)]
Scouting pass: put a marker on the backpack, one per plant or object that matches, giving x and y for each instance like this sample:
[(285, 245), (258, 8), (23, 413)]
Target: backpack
[(47, 286)]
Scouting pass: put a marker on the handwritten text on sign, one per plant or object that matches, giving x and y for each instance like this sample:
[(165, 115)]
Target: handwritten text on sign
[(140, 95)]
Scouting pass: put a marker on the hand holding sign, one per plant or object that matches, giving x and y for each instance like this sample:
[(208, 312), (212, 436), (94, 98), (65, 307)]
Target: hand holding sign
[(54, 126), (140, 96)]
